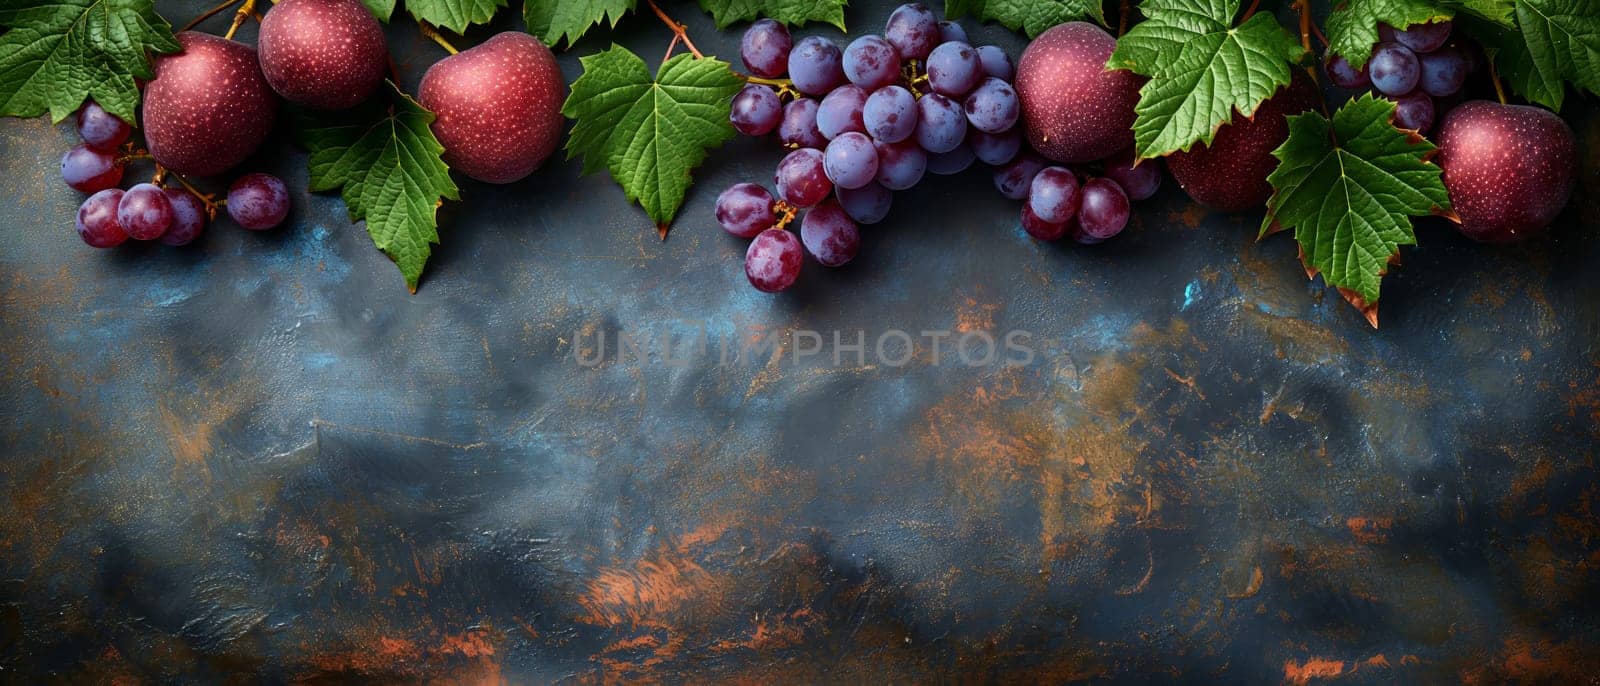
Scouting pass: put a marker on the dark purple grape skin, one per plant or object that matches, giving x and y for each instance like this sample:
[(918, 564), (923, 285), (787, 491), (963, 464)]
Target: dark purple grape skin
[(941, 123), (901, 165), (952, 32), (745, 209), (1394, 69), (890, 115), (1054, 194), (208, 107), (1103, 211), (829, 235), (773, 261), (1015, 179), (842, 111), (993, 107), (497, 107), (188, 217), (756, 110), (324, 54), (100, 129), (913, 29), (1041, 229), (765, 49), (816, 66), (144, 212), (953, 70), (1444, 71), (1424, 37), (871, 63), (1345, 76), (88, 170), (1413, 111), (798, 129), (851, 161), (97, 220), (258, 201), (802, 179), (995, 149), (1138, 181), (868, 204), (996, 63), (1510, 169), (952, 162)]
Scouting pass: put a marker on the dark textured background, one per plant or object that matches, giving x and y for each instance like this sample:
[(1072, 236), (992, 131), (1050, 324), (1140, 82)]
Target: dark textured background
[(260, 457)]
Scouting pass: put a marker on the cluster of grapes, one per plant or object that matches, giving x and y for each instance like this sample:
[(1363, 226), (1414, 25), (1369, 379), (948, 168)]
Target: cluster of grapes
[(1412, 67), (148, 211), (1087, 207)]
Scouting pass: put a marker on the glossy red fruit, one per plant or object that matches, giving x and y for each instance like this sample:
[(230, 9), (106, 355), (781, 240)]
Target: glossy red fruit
[(498, 107), (326, 54), (208, 107), (1231, 173), (1074, 109), (1510, 169)]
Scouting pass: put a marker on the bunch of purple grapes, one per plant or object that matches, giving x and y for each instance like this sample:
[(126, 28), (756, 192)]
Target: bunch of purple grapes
[(1412, 67), (147, 211), (1090, 204)]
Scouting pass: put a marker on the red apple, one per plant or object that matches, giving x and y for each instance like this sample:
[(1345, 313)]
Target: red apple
[(1509, 168), (498, 107), (326, 54), (208, 107), (1231, 173), (1074, 110)]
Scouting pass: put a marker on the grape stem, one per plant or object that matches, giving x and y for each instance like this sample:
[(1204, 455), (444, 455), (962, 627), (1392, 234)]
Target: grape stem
[(214, 11), (785, 86), (1247, 13), (1303, 7), (785, 213), (680, 33), (433, 34), (207, 199), (246, 11), (1494, 77)]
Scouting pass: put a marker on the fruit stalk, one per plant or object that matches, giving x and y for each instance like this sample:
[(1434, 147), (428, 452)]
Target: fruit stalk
[(680, 33), (214, 11), (208, 199), (1494, 77), (245, 12), (433, 34)]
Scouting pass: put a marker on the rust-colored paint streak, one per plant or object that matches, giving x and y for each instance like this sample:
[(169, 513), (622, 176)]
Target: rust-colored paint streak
[(1370, 530)]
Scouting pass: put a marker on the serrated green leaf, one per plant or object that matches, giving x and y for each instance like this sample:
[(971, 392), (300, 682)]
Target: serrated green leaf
[(387, 163), (59, 53), (382, 9), (1353, 26), (1496, 11), (1032, 17), (1201, 70), (1348, 189), (649, 133), (790, 12), (555, 20), (455, 15), (1556, 42)]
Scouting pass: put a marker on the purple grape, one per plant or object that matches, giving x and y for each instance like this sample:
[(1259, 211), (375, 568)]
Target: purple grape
[(830, 235), (258, 201), (1053, 195), (913, 30), (1343, 75), (1139, 182), (901, 165), (993, 107), (953, 69), (1039, 228), (802, 180), (765, 49), (97, 219), (815, 66), (100, 129), (188, 217), (951, 32), (756, 110), (995, 149), (144, 212), (745, 210), (1413, 111), (841, 112), (1394, 69), (952, 162), (941, 123), (851, 161), (868, 204), (773, 261), (799, 126), (1016, 178), (1424, 37), (871, 62), (890, 115), (1385, 33), (996, 63), (1443, 71), (88, 170), (1102, 211)]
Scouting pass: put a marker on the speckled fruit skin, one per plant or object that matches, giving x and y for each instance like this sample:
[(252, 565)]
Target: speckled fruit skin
[(325, 54), (1231, 173), (208, 107), (1074, 109), (498, 107), (1510, 169)]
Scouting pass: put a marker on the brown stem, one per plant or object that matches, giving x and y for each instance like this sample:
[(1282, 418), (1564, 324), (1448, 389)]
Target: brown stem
[(209, 14), (785, 213), (245, 12), (1124, 8), (433, 34), (785, 87), (670, 45), (207, 199), (1320, 38), (1304, 8), (679, 31), (133, 155), (1250, 12), (1494, 76)]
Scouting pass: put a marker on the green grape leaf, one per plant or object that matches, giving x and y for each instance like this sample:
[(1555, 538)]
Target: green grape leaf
[(1495, 11), (58, 53), (1555, 42), (555, 20), (650, 133), (790, 12), (382, 9), (455, 15), (387, 162), (1348, 189), (1353, 26), (1201, 68), (1032, 17)]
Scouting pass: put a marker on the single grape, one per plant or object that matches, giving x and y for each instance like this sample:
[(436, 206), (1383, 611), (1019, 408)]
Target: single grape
[(851, 161), (997, 63), (951, 32), (756, 110), (799, 126), (144, 212), (765, 49), (868, 204), (815, 66), (88, 170), (1343, 75), (188, 217), (1053, 195), (841, 112), (1139, 182), (1102, 212), (913, 30), (1394, 69), (890, 115), (801, 179), (953, 161), (871, 62), (100, 129), (1424, 37), (745, 210), (1016, 178), (900, 165), (1443, 71), (953, 69), (995, 149), (97, 219), (773, 261), (1413, 111), (258, 201), (993, 107), (830, 235), (1039, 228), (941, 123)]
